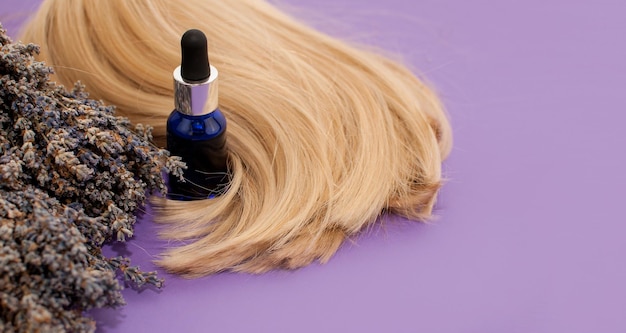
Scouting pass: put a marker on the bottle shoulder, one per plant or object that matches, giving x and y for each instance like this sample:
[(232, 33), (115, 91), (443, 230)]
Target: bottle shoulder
[(192, 127)]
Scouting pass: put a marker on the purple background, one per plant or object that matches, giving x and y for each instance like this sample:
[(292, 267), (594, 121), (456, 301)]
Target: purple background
[(531, 231)]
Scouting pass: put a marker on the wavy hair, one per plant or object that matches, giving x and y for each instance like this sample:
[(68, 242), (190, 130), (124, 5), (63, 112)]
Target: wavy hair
[(323, 137)]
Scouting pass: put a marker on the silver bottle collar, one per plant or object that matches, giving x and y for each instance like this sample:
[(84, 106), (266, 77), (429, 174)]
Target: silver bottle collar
[(197, 98)]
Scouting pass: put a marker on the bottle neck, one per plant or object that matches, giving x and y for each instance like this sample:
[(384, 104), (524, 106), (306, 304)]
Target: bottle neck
[(195, 98)]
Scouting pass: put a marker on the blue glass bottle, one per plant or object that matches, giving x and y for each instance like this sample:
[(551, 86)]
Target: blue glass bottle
[(196, 129)]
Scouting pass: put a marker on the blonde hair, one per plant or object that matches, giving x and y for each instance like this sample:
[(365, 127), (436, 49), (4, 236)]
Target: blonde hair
[(322, 136)]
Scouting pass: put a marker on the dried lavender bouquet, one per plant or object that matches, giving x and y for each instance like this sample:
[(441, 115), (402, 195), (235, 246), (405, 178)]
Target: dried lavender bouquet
[(72, 176)]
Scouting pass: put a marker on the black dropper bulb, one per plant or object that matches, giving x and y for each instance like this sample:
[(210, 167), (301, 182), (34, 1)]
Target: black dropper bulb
[(194, 66)]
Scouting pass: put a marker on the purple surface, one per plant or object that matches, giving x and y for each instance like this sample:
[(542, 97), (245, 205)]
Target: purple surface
[(531, 230)]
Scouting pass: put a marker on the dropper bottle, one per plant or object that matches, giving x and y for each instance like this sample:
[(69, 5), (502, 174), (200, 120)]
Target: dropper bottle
[(196, 129)]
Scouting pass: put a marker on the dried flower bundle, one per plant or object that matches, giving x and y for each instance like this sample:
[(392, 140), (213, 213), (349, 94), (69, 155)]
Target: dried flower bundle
[(72, 176)]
